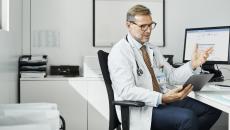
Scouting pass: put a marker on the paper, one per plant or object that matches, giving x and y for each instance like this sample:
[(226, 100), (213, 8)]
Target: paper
[(27, 127), (22, 115)]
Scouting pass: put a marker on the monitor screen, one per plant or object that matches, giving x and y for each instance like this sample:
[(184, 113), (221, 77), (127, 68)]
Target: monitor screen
[(216, 37)]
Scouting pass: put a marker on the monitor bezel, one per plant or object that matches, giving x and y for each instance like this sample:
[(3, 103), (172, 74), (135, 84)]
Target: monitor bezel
[(207, 28)]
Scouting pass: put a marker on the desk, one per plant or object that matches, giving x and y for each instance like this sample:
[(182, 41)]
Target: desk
[(215, 96), (86, 96)]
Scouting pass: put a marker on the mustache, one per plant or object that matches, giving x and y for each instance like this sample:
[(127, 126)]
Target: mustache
[(146, 35)]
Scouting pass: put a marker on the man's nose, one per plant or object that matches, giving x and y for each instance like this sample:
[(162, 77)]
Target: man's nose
[(148, 30)]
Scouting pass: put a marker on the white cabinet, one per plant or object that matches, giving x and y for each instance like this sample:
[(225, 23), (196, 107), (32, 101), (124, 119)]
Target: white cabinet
[(83, 102), (98, 106)]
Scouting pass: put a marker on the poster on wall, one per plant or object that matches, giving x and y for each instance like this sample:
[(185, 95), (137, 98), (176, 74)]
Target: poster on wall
[(109, 21)]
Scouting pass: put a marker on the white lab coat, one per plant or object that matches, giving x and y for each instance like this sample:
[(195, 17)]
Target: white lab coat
[(127, 85)]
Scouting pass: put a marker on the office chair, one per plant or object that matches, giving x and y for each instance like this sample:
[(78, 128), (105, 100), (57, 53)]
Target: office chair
[(114, 123)]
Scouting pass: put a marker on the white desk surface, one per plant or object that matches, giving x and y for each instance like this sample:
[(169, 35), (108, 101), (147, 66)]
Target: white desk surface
[(215, 96)]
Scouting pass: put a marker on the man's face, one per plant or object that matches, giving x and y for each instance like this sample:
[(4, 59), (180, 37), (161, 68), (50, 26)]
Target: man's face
[(141, 28)]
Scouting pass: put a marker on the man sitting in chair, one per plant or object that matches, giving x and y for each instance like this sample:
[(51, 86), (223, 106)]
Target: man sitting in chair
[(140, 73)]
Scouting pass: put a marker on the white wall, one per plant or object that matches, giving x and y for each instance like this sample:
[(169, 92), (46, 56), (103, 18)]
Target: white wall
[(70, 24), (10, 49)]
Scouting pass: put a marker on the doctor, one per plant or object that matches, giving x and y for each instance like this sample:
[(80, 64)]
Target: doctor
[(139, 72)]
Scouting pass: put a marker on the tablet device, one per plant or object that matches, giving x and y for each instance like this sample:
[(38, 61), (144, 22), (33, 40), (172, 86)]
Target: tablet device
[(198, 81)]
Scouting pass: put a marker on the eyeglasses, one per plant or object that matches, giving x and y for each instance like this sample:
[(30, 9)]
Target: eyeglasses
[(144, 27)]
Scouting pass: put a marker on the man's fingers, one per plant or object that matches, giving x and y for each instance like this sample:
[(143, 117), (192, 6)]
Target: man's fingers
[(186, 91), (209, 50), (206, 54), (178, 89), (188, 87), (189, 90), (196, 48)]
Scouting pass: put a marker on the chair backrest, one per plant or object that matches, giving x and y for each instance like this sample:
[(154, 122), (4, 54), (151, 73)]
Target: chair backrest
[(103, 61)]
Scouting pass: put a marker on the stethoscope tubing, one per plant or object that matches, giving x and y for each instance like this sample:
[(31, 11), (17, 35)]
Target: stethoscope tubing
[(139, 70)]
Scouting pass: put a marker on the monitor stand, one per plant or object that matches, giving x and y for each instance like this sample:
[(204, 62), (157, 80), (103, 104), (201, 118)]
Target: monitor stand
[(218, 77)]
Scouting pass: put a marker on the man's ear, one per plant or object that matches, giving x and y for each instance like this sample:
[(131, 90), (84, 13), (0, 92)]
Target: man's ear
[(127, 24)]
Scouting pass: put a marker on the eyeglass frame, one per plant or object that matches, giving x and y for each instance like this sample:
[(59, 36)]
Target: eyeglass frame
[(145, 25)]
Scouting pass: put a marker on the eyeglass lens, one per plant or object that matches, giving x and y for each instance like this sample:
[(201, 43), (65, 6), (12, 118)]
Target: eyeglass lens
[(145, 27)]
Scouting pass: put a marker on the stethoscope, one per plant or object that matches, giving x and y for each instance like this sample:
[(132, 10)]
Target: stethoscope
[(139, 70)]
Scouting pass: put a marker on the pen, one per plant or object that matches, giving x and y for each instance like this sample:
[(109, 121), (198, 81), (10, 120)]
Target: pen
[(222, 85)]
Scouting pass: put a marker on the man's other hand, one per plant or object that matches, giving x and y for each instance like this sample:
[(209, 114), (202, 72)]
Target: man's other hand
[(199, 58)]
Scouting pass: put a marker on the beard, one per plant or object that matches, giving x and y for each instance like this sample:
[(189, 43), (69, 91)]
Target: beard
[(142, 38)]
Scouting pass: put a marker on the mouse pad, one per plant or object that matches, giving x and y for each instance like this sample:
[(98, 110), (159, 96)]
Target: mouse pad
[(198, 81)]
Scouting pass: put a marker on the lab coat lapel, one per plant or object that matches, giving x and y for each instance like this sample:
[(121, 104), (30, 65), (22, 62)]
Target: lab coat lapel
[(137, 54), (139, 57)]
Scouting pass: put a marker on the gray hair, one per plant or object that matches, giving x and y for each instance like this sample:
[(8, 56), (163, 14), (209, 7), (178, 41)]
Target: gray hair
[(137, 10)]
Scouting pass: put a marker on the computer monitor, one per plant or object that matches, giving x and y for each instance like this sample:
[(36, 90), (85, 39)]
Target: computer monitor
[(216, 37)]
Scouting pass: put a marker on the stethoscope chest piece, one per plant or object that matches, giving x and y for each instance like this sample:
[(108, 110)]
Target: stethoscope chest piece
[(139, 72)]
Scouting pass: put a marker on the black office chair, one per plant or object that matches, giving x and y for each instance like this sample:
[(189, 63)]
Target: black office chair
[(113, 119)]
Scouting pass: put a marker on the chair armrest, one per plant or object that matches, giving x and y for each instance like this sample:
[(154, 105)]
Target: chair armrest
[(125, 105), (129, 103)]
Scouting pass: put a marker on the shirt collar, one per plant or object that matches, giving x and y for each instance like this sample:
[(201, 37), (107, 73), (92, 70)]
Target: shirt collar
[(135, 43)]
